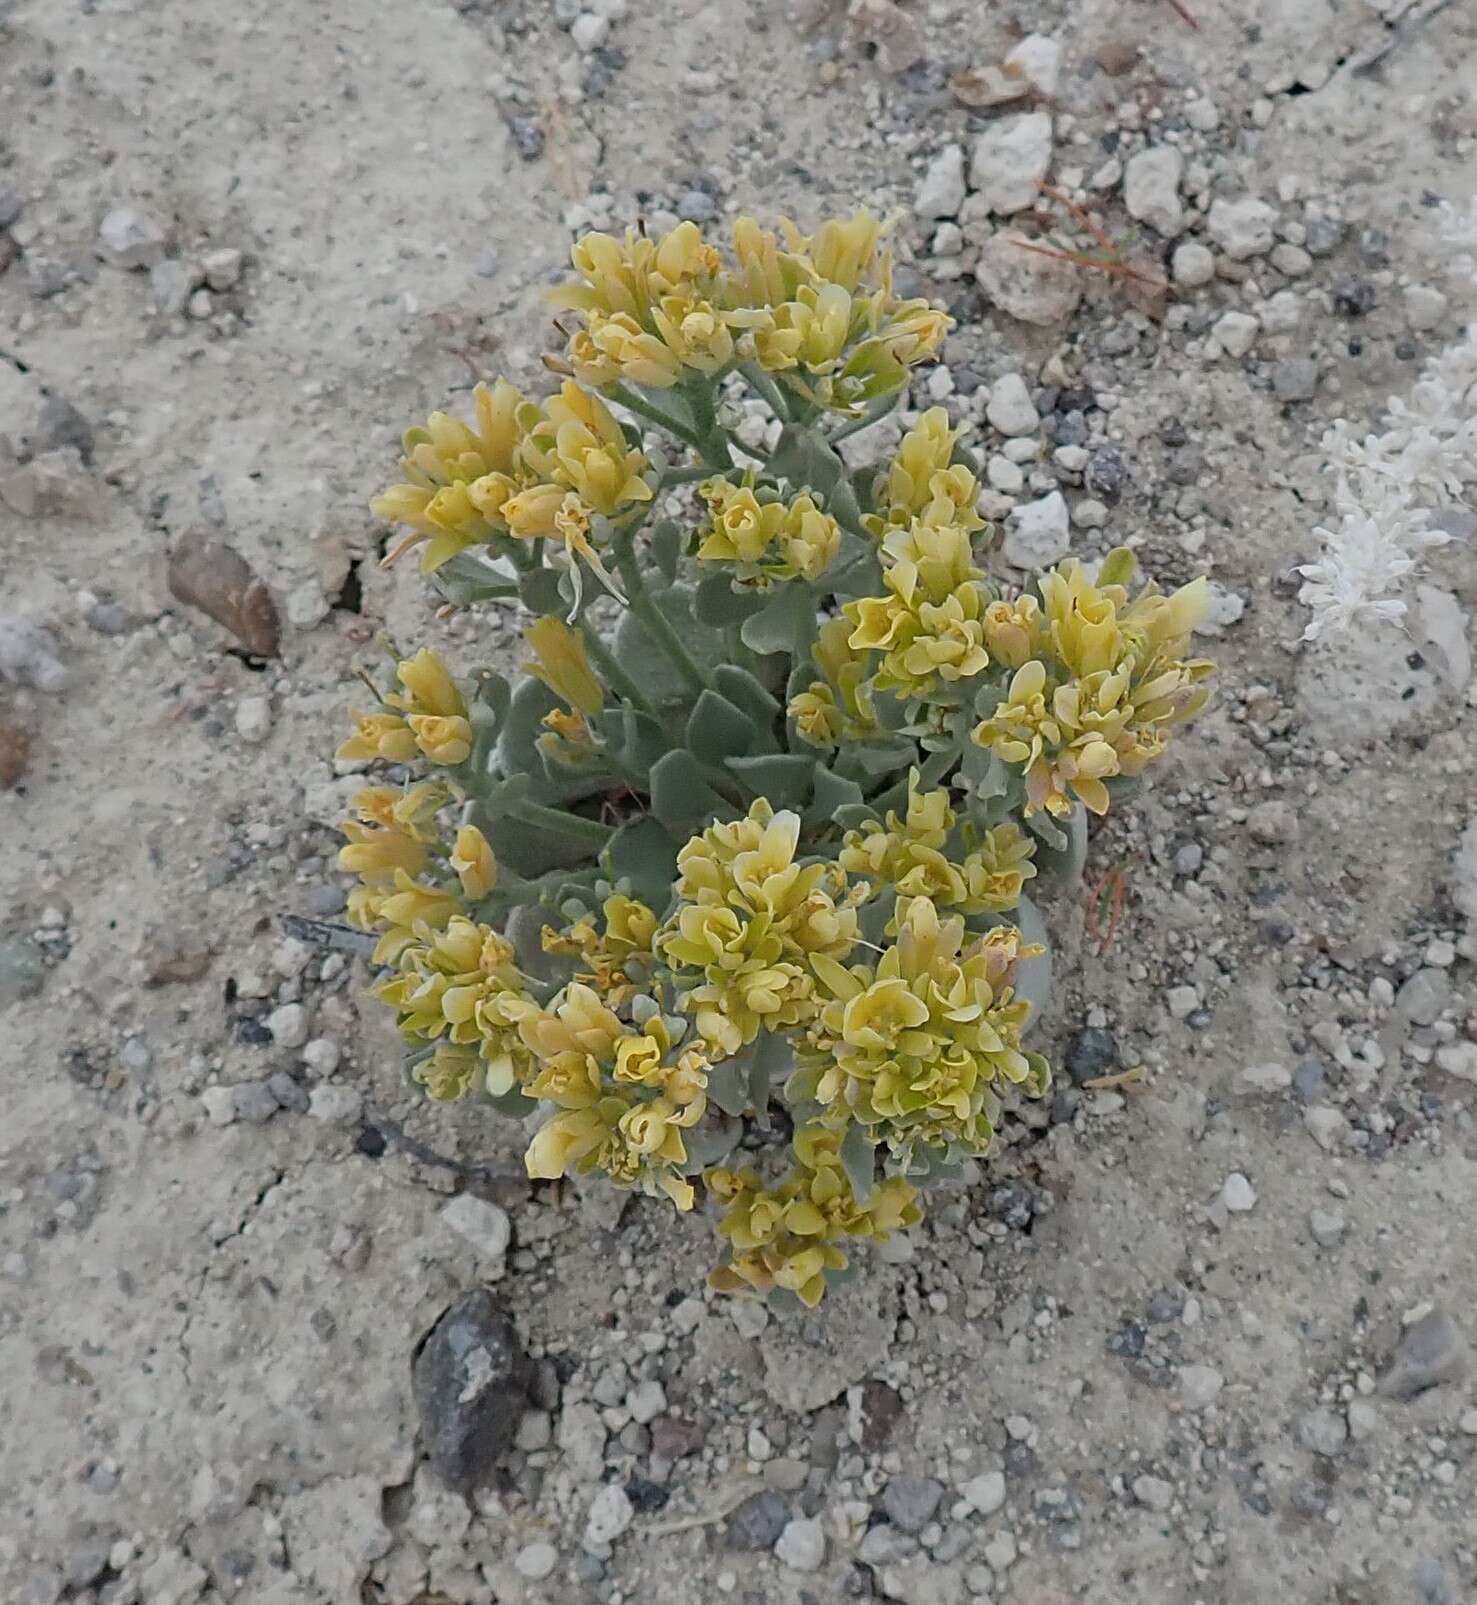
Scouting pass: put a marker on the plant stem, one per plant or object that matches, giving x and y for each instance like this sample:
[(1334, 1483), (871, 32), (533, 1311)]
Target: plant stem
[(609, 666), (874, 414), (658, 625), (657, 415), (561, 823), (760, 381), (933, 770)]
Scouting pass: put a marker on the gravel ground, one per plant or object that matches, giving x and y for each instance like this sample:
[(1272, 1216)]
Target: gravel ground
[(1200, 1338)]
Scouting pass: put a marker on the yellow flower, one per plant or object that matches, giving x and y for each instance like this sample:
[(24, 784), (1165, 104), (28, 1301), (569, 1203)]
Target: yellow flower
[(561, 663), (474, 862), (563, 1142), (450, 1073), (378, 736), (695, 332), (816, 717), (915, 332), (442, 740), (375, 855), (429, 687), (443, 461), (767, 541), (1014, 631), (413, 903), (617, 347), (616, 275), (809, 539), (742, 527), (844, 253), (533, 512)]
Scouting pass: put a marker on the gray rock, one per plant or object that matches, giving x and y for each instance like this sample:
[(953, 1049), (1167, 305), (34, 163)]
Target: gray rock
[(1237, 1194), (1431, 1351), (10, 205), (131, 238), (757, 1523), (1425, 997), (1323, 236), (171, 284), (1295, 379), (1039, 533), (1153, 1492), (697, 206), (582, 1441), (1192, 264), (984, 1494), (1327, 1226), (1200, 1385), (536, 1561), (910, 1502), (254, 1102), (1010, 408), (1323, 1431), (611, 1511), (61, 425), (22, 970), (289, 1025), (883, 1544), (1463, 881), (288, 1093), (1242, 228), (1151, 189), (1431, 1586), (222, 268), (941, 190), (1010, 159), (1035, 289), (28, 654), (336, 1105), (471, 1382), (481, 1223), (801, 1546)]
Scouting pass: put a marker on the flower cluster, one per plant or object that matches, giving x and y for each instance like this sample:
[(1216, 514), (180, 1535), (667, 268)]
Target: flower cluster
[(1097, 683), (765, 538), (916, 1046), (769, 829), (750, 924), (818, 309), (910, 855), (526, 472), (789, 1235)]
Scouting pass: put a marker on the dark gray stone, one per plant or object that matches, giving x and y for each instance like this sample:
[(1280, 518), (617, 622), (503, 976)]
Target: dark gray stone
[(1295, 379), (910, 1502), (254, 1102), (1324, 236), (1106, 473), (62, 425), (471, 1380), (1431, 1586), (757, 1523), (1431, 1351), (1092, 1052), (10, 205)]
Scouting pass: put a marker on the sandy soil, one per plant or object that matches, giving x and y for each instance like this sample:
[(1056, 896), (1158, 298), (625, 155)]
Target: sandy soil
[(208, 1300)]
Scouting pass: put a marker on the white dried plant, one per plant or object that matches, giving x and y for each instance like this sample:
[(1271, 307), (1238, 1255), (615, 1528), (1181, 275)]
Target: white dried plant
[(1391, 488)]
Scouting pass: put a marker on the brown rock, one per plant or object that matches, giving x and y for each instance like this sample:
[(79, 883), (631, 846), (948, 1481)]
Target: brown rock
[(210, 576), (15, 753), (172, 956)]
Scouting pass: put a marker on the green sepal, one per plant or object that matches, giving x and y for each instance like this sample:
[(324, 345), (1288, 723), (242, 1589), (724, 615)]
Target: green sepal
[(829, 794), (853, 815), (859, 1160), (776, 625), (1042, 825), (807, 460), (644, 854), (681, 797), (539, 591), (469, 577), (744, 691), (783, 777), (494, 693), (717, 604), (665, 549), (1063, 865), (716, 729)]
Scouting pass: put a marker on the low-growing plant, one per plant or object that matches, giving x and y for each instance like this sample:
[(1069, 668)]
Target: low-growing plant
[(747, 867)]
